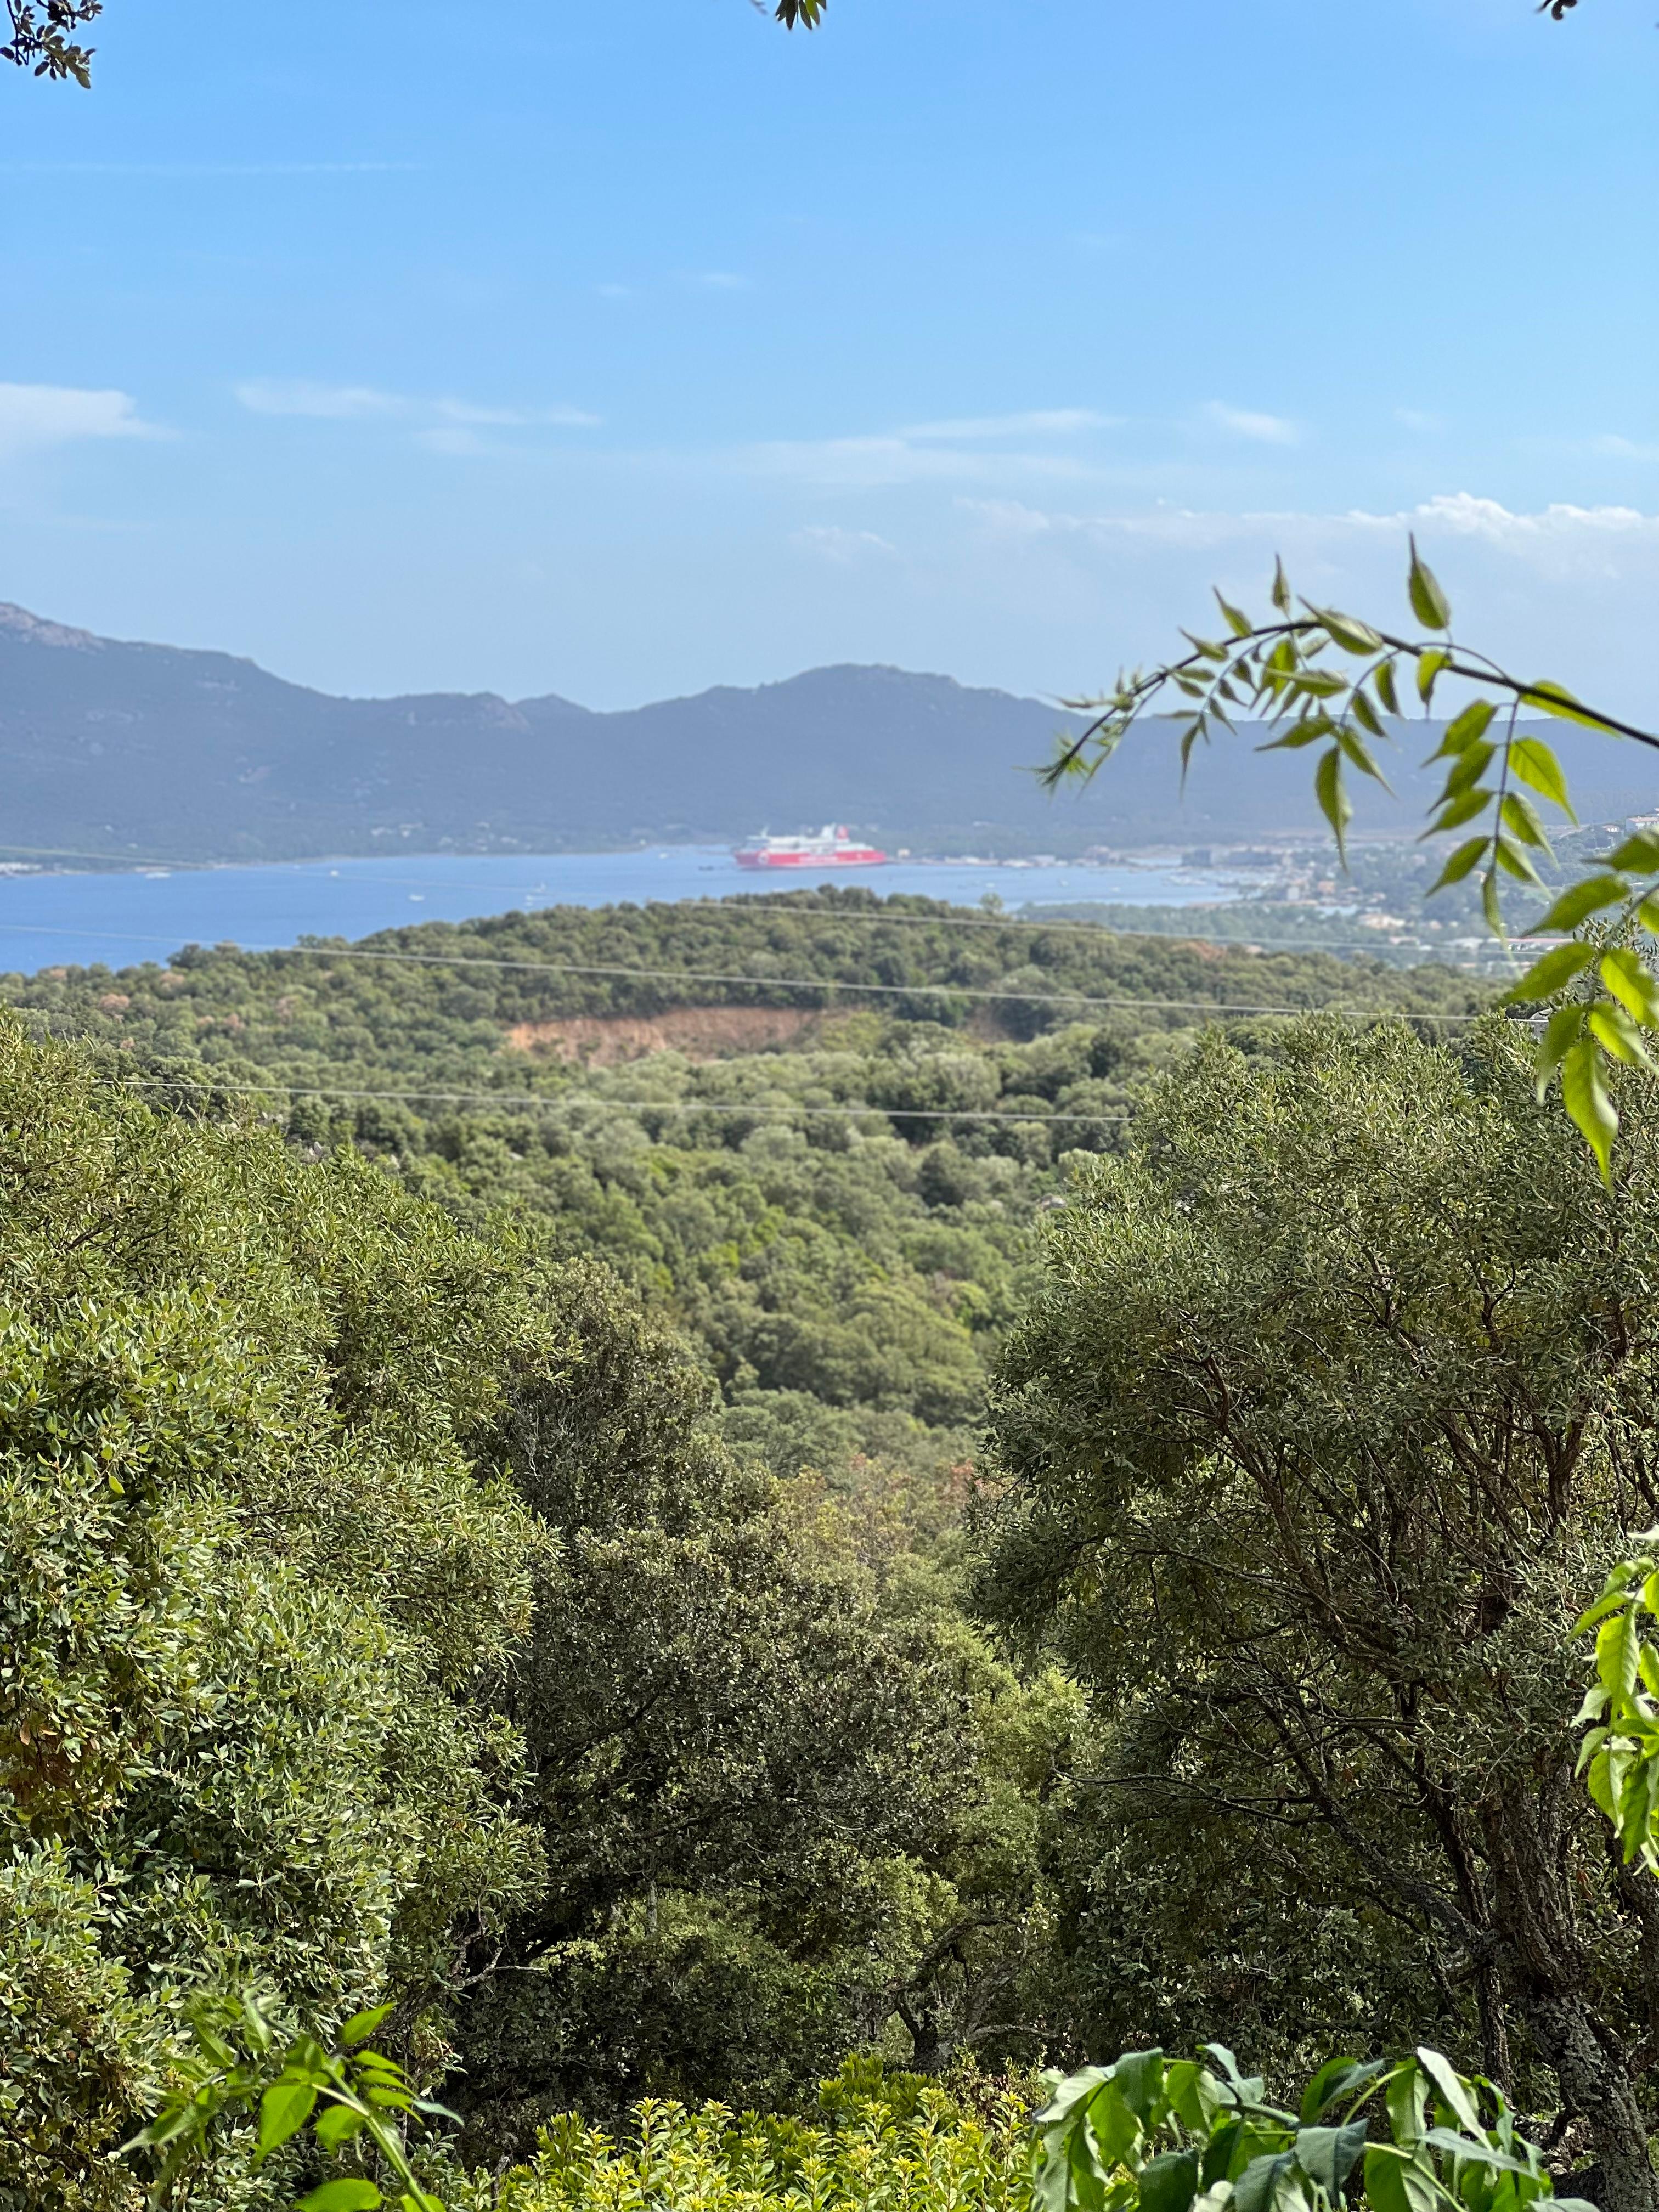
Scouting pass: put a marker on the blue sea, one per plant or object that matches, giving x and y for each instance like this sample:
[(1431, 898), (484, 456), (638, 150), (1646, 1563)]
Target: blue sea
[(118, 920)]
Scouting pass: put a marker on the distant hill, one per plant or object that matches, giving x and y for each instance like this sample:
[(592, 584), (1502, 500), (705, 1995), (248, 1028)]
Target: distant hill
[(149, 751)]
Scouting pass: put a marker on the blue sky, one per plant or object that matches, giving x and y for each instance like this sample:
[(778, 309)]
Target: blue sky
[(620, 349)]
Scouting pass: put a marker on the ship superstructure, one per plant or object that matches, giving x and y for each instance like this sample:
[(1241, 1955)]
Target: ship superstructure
[(832, 846)]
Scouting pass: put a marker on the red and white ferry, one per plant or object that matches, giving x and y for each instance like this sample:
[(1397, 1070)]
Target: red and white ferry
[(834, 846)]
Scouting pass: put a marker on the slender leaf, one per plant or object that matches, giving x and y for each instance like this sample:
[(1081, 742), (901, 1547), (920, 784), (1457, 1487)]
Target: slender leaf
[(1583, 1092), (1551, 973), (1579, 900), (1533, 761), (1429, 602)]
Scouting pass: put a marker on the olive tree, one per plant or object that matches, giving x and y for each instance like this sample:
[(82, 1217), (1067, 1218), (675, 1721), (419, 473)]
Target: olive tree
[(1336, 1401)]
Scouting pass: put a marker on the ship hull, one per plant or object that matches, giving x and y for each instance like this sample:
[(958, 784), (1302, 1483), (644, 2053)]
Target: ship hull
[(810, 859)]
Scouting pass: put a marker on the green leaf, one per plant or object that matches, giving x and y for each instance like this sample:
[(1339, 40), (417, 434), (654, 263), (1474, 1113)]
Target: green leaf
[(1617, 1654), (1489, 905), (1454, 2090), (1327, 2085), (337, 2125), (1332, 793), (1628, 976), (1476, 2149), (1193, 2095), (1138, 2076), (1462, 809), (349, 2195), (1366, 715), (1467, 856), (1359, 752), (1639, 852), (1067, 2091), (1429, 666), (1169, 2182), (1522, 817), (1114, 2130), (1382, 681), (1281, 593), (1328, 2155), (1583, 1092), (1256, 2189), (1564, 1028), (1585, 898), (362, 2024), (1550, 973), (1466, 728), (1395, 2183), (1429, 602), (1556, 699), (1241, 625), (1620, 1035), (1531, 760), (283, 2110), (1514, 860), (1352, 636)]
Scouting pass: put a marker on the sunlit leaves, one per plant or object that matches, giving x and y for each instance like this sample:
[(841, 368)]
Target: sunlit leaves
[(1619, 1753), (1146, 2134), (1584, 1093), (348, 2094), (1533, 762), (1289, 672)]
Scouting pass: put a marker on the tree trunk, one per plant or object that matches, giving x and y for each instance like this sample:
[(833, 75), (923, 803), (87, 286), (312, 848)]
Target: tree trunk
[(1594, 2076), (1544, 1964)]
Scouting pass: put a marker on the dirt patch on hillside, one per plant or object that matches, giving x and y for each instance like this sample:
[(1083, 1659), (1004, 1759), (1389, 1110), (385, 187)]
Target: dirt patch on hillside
[(700, 1032)]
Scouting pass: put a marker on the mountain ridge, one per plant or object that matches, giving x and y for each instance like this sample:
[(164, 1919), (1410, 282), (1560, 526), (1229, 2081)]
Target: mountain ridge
[(124, 749)]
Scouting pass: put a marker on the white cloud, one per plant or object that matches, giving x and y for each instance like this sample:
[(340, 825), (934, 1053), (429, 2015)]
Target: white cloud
[(1549, 535), (867, 464), (332, 402), (1043, 423), (1266, 430), (358, 402), (1414, 418), (831, 542), (718, 280), (36, 415), (1624, 449)]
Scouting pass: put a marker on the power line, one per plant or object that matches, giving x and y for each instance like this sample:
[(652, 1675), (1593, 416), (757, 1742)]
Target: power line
[(630, 1105), (772, 904), (798, 982)]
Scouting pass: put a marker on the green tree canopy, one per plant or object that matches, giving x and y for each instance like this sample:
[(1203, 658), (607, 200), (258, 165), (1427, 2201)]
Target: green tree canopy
[(1337, 1401)]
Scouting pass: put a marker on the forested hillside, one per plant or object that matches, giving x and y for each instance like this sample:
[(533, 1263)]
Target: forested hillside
[(813, 1131), (498, 1517)]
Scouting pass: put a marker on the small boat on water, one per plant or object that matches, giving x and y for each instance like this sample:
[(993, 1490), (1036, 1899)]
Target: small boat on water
[(832, 846)]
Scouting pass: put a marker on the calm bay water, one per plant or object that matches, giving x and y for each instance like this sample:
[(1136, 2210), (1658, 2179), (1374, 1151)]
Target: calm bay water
[(119, 920)]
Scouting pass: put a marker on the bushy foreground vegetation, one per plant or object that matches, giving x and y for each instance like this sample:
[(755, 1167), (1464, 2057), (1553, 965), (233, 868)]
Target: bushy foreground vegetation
[(402, 1608)]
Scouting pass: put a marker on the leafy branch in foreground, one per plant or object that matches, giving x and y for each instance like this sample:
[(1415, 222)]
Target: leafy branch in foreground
[(349, 2098), (40, 38), (1151, 2135), (1621, 1745), (1296, 673)]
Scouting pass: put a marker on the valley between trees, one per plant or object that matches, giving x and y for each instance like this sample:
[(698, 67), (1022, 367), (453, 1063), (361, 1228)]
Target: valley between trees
[(1006, 1493)]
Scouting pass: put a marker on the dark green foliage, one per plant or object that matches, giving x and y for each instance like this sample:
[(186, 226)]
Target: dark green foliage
[(1336, 1402), (383, 1613), (257, 1603)]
